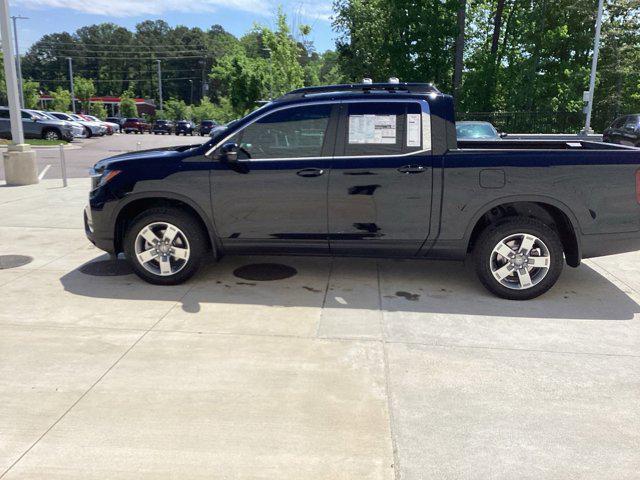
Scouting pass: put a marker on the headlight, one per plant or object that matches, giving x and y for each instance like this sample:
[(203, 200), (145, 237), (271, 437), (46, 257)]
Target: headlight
[(102, 178)]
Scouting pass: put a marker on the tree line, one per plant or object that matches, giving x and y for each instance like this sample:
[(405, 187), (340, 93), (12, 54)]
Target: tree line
[(519, 57)]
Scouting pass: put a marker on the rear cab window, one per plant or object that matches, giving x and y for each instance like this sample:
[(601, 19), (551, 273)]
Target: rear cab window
[(380, 128)]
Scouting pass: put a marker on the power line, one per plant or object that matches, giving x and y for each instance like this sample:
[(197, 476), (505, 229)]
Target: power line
[(117, 80)]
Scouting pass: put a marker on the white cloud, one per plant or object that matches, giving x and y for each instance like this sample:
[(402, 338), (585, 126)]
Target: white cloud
[(135, 8)]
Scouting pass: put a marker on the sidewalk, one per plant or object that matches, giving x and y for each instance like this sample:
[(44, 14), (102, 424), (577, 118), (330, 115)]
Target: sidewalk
[(349, 369)]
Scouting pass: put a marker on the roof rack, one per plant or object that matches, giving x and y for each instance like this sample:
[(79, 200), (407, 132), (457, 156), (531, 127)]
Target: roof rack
[(362, 87)]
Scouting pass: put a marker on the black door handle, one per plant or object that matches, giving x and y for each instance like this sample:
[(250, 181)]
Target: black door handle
[(310, 172), (412, 169)]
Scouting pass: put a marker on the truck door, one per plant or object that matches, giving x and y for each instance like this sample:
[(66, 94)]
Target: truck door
[(274, 197), (381, 175)]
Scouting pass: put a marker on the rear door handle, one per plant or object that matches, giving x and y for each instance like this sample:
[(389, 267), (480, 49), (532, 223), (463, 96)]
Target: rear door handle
[(412, 169), (310, 172)]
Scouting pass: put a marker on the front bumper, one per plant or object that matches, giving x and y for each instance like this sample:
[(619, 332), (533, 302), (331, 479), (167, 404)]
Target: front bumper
[(94, 229)]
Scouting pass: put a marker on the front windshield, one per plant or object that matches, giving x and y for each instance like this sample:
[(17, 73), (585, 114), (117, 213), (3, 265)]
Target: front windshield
[(475, 130)]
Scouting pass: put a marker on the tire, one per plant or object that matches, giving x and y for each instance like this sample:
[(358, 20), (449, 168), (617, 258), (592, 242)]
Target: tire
[(88, 132), (511, 233), (191, 238), (51, 134)]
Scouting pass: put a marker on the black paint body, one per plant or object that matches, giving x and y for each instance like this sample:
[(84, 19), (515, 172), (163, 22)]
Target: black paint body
[(422, 204)]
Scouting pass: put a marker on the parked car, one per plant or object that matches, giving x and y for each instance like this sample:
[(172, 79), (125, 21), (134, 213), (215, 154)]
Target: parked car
[(117, 120), (36, 126), (135, 125), (337, 170), (111, 127), (91, 128), (624, 130), (469, 130), (77, 130), (184, 127), (163, 127), (206, 126)]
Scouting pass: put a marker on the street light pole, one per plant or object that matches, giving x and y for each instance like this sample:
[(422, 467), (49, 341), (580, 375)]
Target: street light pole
[(18, 66), (19, 160), (191, 94), (73, 95), (17, 134), (594, 66), (160, 83)]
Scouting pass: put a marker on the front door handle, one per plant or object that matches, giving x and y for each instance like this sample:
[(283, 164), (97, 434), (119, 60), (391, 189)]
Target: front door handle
[(412, 169), (310, 172)]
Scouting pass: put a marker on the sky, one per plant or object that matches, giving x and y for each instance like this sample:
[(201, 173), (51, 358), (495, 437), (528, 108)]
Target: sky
[(236, 16)]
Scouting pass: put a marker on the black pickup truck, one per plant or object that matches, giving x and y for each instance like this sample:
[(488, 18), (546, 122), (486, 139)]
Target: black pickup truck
[(371, 170)]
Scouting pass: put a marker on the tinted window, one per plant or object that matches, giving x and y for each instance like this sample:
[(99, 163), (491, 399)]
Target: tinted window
[(631, 122), (382, 128), (207, 123), (289, 133), (4, 113), (617, 123), (132, 120)]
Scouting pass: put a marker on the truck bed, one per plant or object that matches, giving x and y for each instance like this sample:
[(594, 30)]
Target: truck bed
[(506, 144)]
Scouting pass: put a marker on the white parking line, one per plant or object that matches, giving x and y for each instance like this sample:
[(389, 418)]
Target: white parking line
[(44, 171)]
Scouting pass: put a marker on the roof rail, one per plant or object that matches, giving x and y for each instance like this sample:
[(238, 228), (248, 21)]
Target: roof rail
[(362, 87)]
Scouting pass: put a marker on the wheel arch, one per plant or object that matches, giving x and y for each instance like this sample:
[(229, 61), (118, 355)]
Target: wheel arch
[(139, 203), (548, 210), (51, 129)]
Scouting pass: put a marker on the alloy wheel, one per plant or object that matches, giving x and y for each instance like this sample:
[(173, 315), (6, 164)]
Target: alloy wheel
[(162, 249), (520, 261)]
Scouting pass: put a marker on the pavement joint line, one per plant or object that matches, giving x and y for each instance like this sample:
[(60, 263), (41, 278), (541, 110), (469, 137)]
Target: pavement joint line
[(387, 377), (507, 349), (131, 347), (324, 298), (597, 264), (69, 327)]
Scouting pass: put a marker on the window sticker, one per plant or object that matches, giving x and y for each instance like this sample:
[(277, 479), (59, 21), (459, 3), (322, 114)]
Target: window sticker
[(365, 129), (413, 129), (426, 131)]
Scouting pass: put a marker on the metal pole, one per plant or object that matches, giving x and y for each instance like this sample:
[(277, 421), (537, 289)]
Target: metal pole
[(594, 66), (13, 97), (73, 95), (160, 83), (63, 165), (191, 96), (18, 66)]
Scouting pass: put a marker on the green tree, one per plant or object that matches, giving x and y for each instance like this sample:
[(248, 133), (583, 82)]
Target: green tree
[(98, 109), (128, 105), (61, 100), (84, 89), (31, 92), (177, 110)]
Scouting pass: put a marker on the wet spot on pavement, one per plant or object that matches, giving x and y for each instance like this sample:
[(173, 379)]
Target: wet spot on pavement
[(412, 297), (264, 272)]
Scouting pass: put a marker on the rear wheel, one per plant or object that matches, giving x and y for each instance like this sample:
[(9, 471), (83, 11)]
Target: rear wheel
[(165, 246), (88, 132), (519, 258)]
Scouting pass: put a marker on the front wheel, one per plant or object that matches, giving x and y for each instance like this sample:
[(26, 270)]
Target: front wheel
[(165, 246), (52, 135), (519, 258)]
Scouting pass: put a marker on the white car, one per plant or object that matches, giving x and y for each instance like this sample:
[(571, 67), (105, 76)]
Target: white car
[(90, 128), (114, 126), (77, 129)]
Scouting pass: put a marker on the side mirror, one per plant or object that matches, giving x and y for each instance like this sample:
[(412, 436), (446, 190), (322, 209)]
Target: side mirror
[(503, 134), (34, 118), (229, 152)]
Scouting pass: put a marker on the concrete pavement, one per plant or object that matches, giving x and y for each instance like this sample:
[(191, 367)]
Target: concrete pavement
[(350, 369)]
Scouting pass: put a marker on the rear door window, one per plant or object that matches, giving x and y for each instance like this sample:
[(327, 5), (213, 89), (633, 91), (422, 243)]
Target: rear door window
[(381, 128)]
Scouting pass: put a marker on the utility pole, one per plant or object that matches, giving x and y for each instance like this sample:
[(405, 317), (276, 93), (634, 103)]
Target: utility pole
[(191, 94), (73, 95), (594, 66), (19, 160), (160, 83), (18, 66)]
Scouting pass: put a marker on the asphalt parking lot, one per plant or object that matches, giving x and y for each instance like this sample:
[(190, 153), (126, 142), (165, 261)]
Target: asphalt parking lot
[(345, 369), (82, 153)]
